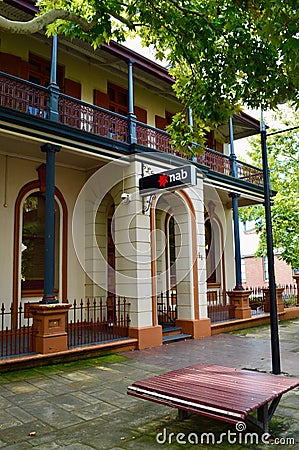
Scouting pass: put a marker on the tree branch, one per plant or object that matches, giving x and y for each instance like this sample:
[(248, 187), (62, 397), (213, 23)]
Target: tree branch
[(38, 23), (193, 12)]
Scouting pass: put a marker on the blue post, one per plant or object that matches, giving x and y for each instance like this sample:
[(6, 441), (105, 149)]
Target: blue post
[(190, 117), (190, 123), (235, 206), (131, 116), (53, 87), (49, 252)]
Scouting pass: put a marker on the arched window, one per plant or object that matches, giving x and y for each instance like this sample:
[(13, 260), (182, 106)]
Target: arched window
[(32, 245)]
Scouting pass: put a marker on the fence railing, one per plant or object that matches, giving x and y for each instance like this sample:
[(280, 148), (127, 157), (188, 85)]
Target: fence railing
[(24, 96), (219, 307), (167, 307), (15, 341), (93, 119), (33, 99), (97, 321), (257, 298)]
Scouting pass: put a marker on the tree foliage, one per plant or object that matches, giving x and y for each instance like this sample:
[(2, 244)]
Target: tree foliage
[(283, 151), (223, 55)]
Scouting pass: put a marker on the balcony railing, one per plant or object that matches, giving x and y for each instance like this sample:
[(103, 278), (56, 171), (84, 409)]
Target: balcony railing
[(33, 99)]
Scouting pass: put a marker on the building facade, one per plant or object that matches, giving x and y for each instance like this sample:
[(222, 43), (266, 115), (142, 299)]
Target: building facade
[(84, 128), (255, 269)]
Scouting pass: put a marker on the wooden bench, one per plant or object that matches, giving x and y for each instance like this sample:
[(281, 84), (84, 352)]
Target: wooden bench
[(217, 392)]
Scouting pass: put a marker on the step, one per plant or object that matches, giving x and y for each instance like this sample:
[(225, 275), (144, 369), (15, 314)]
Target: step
[(176, 337), (171, 330)]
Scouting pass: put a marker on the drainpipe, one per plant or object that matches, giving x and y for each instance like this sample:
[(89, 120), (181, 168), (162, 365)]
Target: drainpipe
[(53, 87), (131, 116), (276, 369), (235, 206)]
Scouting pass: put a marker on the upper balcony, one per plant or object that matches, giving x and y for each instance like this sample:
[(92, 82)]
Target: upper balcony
[(32, 99)]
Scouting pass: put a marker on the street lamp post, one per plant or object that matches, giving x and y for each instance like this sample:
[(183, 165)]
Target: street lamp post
[(272, 285)]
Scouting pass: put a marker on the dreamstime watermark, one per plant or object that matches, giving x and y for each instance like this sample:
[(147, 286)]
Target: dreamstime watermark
[(239, 436)]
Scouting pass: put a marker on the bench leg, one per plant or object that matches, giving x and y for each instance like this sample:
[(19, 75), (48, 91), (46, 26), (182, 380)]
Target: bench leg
[(263, 417), (182, 414)]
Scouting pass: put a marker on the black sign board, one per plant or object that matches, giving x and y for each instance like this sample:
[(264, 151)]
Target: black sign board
[(170, 180)]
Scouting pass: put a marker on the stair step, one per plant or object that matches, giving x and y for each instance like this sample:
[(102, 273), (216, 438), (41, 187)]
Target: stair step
[(176, 337), (171, 330)]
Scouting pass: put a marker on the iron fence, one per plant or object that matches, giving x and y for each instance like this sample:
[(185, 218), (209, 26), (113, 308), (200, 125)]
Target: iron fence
[(98, 320), (219, 307), (167, 307), (15, 335), (257, 297)]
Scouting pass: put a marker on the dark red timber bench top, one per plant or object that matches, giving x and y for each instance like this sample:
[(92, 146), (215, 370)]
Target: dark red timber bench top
[(214, 391)]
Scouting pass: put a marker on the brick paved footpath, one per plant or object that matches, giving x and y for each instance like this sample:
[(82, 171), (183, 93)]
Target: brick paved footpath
[(84, 405)]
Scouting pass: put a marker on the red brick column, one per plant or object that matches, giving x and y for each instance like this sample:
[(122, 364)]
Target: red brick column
[(49, 327), (280, 307), (296, 278), (240, 300)]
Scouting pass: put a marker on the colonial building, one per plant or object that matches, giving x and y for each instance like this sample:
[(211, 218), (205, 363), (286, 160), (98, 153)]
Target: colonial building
[(79, 129)]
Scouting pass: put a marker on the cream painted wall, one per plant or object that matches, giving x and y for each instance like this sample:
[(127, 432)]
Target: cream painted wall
[(19, 172), (70, 182)]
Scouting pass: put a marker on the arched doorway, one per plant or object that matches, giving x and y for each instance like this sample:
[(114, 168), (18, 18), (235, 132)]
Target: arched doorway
[(175, 265)]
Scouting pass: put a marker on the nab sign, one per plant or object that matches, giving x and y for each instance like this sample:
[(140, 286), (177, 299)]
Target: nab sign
[(170, 180)]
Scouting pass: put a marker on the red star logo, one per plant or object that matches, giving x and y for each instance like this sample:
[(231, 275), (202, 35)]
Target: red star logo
[(163, 180)]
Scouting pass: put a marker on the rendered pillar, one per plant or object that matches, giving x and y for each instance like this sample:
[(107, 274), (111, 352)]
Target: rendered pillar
[(296, 278), (279, 301), (240, 300), (50, 327)]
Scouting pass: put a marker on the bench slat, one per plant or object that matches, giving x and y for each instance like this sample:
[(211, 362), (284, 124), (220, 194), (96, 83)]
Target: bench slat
[(225, 393)]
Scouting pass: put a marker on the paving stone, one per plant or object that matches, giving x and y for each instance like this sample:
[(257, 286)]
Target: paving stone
[(84, 405), (20, 433), (98, 410), (20, 414), (51, 414)]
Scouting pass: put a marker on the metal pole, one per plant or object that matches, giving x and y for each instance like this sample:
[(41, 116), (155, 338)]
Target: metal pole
[(53, 87), (49, 254), (235, 207), (270, 253), (53, 75), (131, 116)]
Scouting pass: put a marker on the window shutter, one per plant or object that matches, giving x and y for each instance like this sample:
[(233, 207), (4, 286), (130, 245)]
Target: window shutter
[(72, 88), (141, 114), (10, 64), (161, 122), (100, 99)]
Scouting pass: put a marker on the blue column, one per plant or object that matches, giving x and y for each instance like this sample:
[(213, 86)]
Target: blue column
[(191, 146), (235, 206), (53, 87), (49, 252), (131, 116)]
